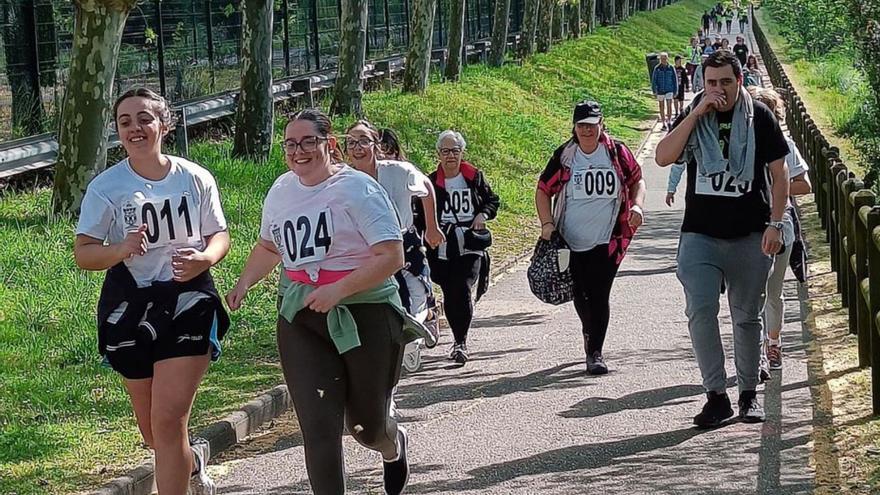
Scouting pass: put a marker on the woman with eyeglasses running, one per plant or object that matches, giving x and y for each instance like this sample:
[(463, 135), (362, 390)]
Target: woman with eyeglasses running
[(402, 182), (465, 203), (592, 192), (154, 223), (341, 325)]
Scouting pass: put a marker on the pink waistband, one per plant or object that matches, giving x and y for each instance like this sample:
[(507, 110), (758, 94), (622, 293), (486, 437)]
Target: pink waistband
[(325, 277)]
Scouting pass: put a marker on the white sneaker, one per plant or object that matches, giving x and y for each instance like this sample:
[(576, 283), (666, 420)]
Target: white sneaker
[(200, 483)]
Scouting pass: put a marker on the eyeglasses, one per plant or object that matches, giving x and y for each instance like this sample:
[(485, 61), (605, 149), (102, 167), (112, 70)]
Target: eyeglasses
[(450, 151), (308, 144), (361, 142)]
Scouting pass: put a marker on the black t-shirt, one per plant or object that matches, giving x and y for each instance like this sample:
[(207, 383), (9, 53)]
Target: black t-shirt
[(742, 52), (722, 207)]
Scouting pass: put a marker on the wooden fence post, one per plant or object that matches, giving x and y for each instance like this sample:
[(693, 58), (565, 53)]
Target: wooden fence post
[(862, 201), (873, 221)]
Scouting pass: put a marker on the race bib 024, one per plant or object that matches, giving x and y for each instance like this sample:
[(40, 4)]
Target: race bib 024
[(304, 239)]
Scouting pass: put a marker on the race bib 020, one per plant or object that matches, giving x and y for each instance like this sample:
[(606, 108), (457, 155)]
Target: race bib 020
[(460, 206), (304, 239), (169, 220), (594, 184), (722, 185)]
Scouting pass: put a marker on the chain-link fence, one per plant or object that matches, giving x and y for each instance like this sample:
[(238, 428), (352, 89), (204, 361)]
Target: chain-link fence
[(190, 48)]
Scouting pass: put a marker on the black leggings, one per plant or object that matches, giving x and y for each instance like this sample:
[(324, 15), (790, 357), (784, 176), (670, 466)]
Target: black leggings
[(327, 387), (593, 274), (456, 279)]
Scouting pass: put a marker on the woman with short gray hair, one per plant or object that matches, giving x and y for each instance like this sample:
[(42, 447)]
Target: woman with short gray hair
[(465, 202)]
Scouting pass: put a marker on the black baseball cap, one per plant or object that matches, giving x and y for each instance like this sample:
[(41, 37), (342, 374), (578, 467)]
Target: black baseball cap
[(587, 112)]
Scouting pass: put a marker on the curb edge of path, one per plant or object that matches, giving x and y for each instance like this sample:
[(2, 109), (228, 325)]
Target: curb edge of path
[(244, 422)]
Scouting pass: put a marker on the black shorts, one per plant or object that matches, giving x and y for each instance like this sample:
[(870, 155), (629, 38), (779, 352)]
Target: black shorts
[(135, 340), (680, 95)]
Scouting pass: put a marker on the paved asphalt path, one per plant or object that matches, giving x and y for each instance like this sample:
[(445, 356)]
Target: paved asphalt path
[(523, 416)]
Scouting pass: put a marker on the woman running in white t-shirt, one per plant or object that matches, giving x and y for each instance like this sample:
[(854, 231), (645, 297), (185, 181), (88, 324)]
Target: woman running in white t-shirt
[(154, 223), (341, 326)]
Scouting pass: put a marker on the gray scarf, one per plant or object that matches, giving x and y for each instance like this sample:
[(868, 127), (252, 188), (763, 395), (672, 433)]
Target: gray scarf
[(704, 148)]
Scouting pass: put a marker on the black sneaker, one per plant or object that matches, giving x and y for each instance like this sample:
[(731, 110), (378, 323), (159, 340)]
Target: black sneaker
[(750, 409), (460, 354), (715, 411), (596, 364), (396, 473), (763, 370)]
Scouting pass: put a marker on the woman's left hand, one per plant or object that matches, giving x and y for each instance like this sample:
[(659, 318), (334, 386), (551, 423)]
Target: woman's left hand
[(635, 218), (324, 298), (479, 222), (189, 263)]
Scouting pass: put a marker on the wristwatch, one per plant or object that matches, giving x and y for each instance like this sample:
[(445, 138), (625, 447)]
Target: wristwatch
[(776, 225)]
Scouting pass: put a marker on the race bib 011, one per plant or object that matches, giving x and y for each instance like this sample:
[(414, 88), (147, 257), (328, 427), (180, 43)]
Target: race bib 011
[(594, 184), (305, 239), (722, 185), (169, 220)]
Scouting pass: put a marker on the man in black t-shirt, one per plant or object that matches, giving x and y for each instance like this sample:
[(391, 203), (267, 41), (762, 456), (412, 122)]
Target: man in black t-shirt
[(741, 50), (737, 185)]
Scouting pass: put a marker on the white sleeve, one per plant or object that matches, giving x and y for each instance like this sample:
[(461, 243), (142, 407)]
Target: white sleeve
[(96, 215), (796, 163), (265, 228), (212, 218), (375, 217), (416, 181)]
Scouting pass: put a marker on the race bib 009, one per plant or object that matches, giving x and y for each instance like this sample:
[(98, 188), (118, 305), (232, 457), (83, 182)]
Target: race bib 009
[(594, 184), (722, 185), (169, 220), (304, 239)]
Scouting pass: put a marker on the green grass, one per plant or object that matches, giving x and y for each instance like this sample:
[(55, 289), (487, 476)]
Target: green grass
[(833, 90), (65, 422)]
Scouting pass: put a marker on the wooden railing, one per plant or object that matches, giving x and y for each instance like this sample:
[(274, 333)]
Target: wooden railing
[(848, 216)]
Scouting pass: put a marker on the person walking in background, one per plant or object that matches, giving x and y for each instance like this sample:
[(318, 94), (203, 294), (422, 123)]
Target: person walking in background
[(774, 308), (753, 70), (465, 202), (706, 20), (599, 192), (693, 57), (697, 84), (728, 19), (741, 50), (683, 84), (707, 48), (743, 20), (737, 189), (664, 83)]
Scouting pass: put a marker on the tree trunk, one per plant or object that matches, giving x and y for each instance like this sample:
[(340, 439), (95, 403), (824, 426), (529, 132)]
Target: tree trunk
[(645, 5), (22, 68), (456, 39), (574, 20), (622, 10), (530, 27), (349, 88), (589, 15), (418, 59), (545, 26), (253, 116), (558, 14), (500, 25), (86, 111), (608, 15)]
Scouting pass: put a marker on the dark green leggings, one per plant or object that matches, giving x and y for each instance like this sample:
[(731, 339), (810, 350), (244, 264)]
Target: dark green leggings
[(330, 390)]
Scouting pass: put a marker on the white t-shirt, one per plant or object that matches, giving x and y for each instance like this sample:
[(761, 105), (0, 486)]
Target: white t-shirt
[(592, 200), (329, 226), (460, 207), (180, 210), (796, 163), (402, 181)]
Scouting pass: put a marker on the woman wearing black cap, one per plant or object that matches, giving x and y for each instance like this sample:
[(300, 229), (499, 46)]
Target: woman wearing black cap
[(598, 190)]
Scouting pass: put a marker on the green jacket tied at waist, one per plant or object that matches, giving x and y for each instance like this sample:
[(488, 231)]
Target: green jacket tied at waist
[(343, 329)]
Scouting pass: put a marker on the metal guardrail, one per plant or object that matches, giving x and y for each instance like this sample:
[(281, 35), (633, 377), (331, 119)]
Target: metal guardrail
[(39, 152), (849, 214)]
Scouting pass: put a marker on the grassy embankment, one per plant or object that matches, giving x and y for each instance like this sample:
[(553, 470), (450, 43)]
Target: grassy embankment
[(65, 422)]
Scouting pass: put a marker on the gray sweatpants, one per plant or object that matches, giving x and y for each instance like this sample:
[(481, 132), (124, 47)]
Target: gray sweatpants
[(703, 264)]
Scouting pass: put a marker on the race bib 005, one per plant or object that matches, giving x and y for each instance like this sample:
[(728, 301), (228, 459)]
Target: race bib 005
[(594, 184), (169, 220), (304, 239), (722, 185), (460, 206)]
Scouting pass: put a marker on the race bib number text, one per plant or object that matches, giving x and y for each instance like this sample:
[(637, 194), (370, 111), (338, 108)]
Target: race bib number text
[(168, 220), (594, 184), (306, 239), (460, 205), (723, 185)]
